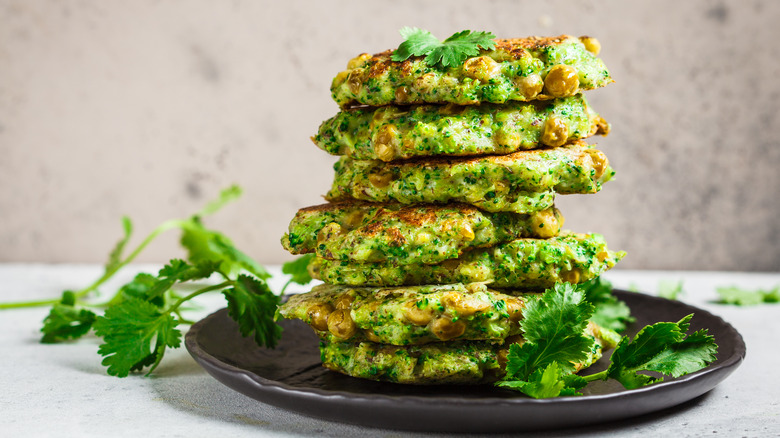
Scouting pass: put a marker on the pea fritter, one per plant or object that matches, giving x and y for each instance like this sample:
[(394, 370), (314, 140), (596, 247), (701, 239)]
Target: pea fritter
[(523, 69), (522, 263), (366, 232), (521, 182), (392, 132)]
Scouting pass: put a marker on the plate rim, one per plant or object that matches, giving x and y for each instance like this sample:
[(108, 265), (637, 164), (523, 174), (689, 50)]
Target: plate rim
[(212, 364)]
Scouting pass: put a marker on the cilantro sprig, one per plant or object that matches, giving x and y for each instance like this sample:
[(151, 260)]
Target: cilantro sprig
[(671, 290), (746, 297), (553, 328), (298, 270), (448, 53), (664, 348), (610, 312), (140, 322)]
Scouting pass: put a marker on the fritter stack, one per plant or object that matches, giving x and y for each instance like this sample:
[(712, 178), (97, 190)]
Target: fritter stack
[(441, 218)]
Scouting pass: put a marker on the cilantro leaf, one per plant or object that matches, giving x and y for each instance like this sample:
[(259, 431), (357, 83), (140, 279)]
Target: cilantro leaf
[(298, 269), (135, 334), (65, 321), (140, 322), (204, 245), (417, 42), (252, 305), (543, 383), (153, 289), (553, 326), (670, 290), (572, 384), (448, 53), (179, 270), (664, 348), (226, 196), (610, 312), (139, 288), (551, 381), (135, 329), (743, 297), (455, 49)]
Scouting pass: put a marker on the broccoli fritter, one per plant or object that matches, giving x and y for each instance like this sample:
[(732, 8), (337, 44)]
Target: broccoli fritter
[(367, 232)]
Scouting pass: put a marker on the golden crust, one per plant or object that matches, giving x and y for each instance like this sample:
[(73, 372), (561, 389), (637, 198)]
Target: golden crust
[(410, 214), (573, 149)]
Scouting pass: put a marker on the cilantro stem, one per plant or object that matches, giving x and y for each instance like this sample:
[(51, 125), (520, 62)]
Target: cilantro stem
[(200, 291), (596, 376), (182, 319), (165, 226), (21, 304), (284, 288)]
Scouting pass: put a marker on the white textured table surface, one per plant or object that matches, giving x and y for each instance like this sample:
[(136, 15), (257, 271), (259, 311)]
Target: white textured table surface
[(62, 390)]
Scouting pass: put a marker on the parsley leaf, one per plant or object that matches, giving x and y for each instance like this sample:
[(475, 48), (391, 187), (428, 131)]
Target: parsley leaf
[(664, 348), (743, 297), (252, 305), (298, 269), (448, 53), (610, 312)]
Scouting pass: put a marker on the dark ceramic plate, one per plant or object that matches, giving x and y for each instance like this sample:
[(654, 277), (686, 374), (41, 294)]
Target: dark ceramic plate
[(291, 377)]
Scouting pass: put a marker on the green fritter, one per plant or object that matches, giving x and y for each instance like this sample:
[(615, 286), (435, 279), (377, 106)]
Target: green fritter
[(522, 263), (391, 133), (456, 362), (409, 315), (521, 182), (367, 232), (522, 69)]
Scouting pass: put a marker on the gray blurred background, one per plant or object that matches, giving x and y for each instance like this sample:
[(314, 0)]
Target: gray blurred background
[(149, 108)]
